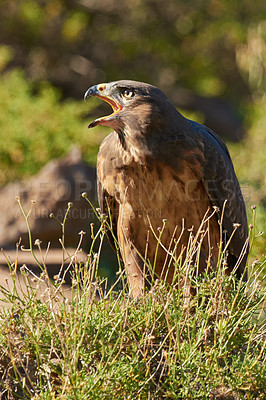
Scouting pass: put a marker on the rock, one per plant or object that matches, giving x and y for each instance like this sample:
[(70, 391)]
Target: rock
[(58, 183)]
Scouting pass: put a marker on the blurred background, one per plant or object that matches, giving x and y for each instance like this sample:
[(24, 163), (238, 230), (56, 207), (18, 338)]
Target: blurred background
[(208, 56)]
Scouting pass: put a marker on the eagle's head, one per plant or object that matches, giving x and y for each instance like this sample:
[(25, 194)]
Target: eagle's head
[(137, 107)]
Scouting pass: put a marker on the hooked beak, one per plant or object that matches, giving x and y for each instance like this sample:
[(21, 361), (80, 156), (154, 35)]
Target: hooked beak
[(101, 91)]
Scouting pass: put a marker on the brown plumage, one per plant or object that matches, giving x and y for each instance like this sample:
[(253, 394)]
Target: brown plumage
[(157, 165)]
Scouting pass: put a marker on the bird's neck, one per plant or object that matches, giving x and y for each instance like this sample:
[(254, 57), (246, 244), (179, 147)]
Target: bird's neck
[(135, 145)]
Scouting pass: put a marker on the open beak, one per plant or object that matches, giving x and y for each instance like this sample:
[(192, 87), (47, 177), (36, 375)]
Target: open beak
[(100, 91)]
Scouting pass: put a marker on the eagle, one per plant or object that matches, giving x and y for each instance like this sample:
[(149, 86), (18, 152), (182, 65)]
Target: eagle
[(164, 182)]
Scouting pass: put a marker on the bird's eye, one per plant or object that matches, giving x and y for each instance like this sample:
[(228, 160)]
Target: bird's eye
[(127, 94)]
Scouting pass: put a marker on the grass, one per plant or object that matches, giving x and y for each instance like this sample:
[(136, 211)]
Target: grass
[(100, 344)]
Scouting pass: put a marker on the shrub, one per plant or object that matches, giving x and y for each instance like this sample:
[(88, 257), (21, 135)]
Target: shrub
[(36, 127)]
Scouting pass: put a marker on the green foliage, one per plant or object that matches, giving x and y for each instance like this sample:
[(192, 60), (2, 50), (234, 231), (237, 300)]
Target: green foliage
[(214, 47), (104, 345), (36, 127)]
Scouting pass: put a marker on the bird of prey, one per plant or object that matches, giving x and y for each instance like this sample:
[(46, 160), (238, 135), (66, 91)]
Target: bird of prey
[(160, 176)]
